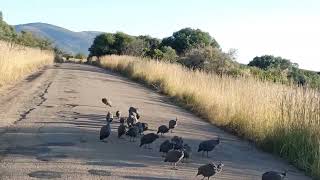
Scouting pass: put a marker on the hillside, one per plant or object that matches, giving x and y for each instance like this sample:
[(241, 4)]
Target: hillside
[(65, 39)]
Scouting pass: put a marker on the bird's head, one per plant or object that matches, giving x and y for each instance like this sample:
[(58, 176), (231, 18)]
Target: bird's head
[(220, 164)]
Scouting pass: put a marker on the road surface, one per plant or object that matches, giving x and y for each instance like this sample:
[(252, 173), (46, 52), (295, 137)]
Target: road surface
[(56, 115)]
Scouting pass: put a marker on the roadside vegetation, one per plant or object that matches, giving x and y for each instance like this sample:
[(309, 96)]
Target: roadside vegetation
[(21, 54), (281, 119), (196, 49)]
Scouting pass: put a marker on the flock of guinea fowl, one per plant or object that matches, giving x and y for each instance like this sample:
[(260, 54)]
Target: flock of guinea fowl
[(174, 150)]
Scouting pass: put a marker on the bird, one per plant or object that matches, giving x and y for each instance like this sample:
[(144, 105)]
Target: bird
[(145, 126), (148, 139), (187, 151), (166, 146), (209, 170), (177, 141), (174, 156), (209, 145), (173, 124), (274, 175), (121, 130), (109, 116), (134, 110), (140, 127), (105, 131), (162, 129), (118, 114), (131, 120), (132, 133), (122, 120), (106, 102)]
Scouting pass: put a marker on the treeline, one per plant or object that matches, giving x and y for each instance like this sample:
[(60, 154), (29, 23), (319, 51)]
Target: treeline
[(198, 50), (8, 33)]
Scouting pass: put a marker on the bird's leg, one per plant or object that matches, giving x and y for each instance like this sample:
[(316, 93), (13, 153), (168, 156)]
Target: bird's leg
[(207, 154), (175, 166), (202, 153)]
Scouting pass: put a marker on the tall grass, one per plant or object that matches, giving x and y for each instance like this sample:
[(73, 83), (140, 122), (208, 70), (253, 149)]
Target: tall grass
[(280, 119), (18, 61)]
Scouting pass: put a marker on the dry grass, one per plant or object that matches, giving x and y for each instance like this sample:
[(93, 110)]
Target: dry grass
[(16, 62), (281, 119)]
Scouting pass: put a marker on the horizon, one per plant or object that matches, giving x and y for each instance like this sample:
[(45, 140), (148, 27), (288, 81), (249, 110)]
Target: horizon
[(287, 28)]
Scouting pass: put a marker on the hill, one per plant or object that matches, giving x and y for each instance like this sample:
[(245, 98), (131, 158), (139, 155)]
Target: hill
[(69, 41)]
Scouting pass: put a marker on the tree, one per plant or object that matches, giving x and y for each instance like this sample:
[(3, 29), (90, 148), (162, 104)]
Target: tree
[(209, 59), (136, 47), (1, 17), (121, 42), (102, 45), (80, 56), (187, 38), (268, 61), (169, 54)]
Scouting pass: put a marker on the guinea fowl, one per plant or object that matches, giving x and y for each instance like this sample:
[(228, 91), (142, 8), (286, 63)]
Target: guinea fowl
[(209, 170), (122, 120), (133, 110), (148, 139), (174, 156), (118, 114), (178, 142), (121, 130), (106, 101), (273, 175), (166, 146), (145, 126), (140, 128), (132, 133), (173, 124), (208, 145), (105, 131), (162, 129), (187, 151), (109, 116), (131, 120)]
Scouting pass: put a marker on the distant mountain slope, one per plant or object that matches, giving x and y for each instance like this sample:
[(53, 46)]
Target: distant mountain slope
[(65, 39)]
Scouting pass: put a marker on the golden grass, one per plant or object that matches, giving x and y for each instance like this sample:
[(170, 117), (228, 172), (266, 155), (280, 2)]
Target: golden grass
[(17, 61), (280, 119)]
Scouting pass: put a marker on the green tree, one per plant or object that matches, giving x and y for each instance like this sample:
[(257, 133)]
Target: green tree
[(80, 56), (209, 59), (102, 45), (121, 42), (7, 32), (187, 38), (268, 61), (169, 54)]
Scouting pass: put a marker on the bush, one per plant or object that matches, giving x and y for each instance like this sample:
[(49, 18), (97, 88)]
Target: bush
[(209, 59)]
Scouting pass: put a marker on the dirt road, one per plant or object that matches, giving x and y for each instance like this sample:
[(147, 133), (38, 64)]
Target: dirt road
[(57, 116)]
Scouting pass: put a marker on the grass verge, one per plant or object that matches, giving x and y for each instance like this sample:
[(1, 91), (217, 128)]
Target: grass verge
[(18, 61)]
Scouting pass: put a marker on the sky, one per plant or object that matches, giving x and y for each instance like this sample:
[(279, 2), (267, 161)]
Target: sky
[(286, 28)]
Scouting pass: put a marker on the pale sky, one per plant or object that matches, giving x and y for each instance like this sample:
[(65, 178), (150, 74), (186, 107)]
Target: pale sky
[(287, 28)]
